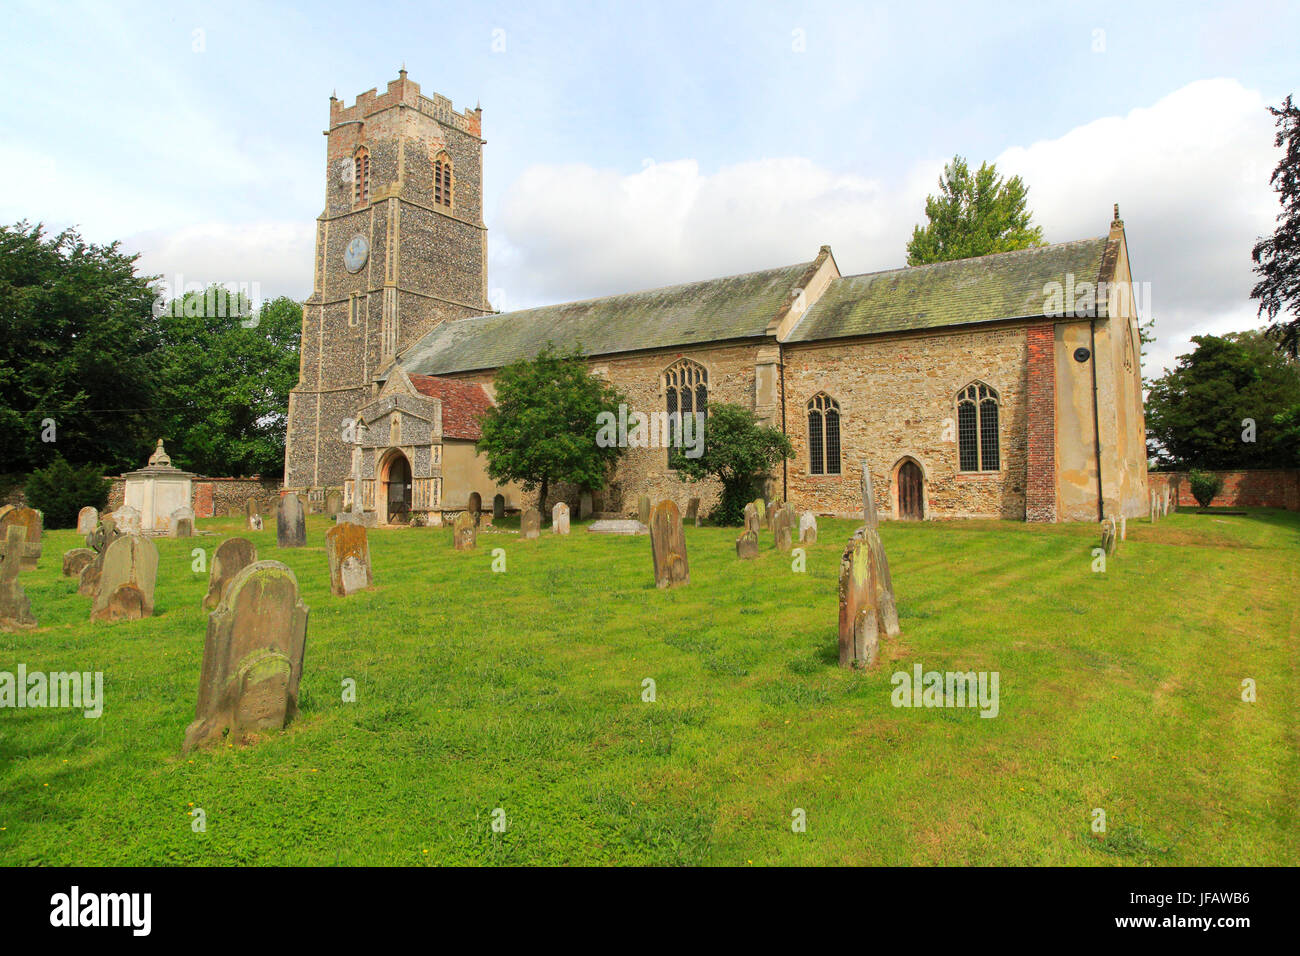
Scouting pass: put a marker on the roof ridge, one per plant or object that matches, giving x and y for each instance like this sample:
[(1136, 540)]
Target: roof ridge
[(987, 255)]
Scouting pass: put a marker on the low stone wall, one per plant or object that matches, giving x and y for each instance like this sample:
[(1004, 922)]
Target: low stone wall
[(1241, 489), (217, 497)]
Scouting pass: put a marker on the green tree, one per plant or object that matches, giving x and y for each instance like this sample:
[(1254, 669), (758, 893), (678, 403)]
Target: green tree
[(77, 348), (1277, 258), (223, 379), (973, 215), (1225, 406), (543, 427), (739, 451), (60, 491)]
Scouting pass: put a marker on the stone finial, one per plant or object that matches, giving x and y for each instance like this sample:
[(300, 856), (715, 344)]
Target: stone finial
[(160, 458), (1117, 212)]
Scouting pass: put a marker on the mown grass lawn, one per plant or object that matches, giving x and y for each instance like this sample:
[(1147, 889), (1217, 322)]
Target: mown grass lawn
[(523, 691)]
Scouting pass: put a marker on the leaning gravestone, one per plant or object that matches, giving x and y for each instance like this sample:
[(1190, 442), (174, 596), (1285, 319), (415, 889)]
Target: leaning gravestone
[(464, 535), (87, 518), (808, 528), (349, 557), (15, 607), (747, 544), (885, 581), (231, 557), (290, 523), (751, 518), (584, 506), (75, 560), (560, 518), (861, 626), (530, 525), (126, 580), (181, 524), (643, 509), (693, 511), (33, 524), (668, 546), (252, 656)]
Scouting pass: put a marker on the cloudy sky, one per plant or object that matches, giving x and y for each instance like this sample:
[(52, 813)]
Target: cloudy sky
[(630, 146)]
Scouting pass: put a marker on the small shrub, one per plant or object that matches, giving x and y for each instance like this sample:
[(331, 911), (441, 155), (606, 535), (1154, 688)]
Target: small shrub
[(59, 491), (1205, 486)]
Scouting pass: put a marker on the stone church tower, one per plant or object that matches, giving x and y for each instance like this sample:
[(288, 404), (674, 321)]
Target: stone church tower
[(400, 248)]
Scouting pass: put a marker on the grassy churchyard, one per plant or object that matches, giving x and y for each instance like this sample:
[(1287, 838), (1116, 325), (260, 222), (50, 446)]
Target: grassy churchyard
[(523, 690)]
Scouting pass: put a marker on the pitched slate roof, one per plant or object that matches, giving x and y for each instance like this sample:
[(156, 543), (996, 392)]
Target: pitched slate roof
[(1001, 286), (462, 404), (710, 311)]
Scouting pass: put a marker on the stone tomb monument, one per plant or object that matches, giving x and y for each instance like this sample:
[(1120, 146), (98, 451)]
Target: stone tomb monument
[(231, 557), (252, 656), (156, 491), (349, 556), (668, 546), (530, 525), (15, 607), (290, 523), (126, 580), (464, 535), (560, 518)]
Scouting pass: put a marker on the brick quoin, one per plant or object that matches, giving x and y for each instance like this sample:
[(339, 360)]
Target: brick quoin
[(1040, 477)]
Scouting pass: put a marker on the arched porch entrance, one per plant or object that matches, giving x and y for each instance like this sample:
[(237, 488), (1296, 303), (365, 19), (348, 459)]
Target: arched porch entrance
[(395, 489), (909, 490)]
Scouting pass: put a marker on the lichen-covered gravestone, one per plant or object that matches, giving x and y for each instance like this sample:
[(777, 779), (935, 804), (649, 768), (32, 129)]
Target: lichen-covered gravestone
[(231, 557), (747, 544), (781, 532), (87, 518), (560, 518), (348, 552), (127, 519), (181, 523), (290, 523), (75, 560), (808, 528), (530, 525), (252, 656), (860, 626), (464, 535), (760, 509), (643, 509), (33, 524), (126, 580), (15, 607), (693, 511), (668, 546)]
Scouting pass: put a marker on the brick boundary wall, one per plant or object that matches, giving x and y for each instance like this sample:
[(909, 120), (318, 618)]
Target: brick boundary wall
[(217, 497), (1278, 488), (1040, 483)]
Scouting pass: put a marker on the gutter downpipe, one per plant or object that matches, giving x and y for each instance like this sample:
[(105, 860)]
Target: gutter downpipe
[(1096, 417), (785, 462)]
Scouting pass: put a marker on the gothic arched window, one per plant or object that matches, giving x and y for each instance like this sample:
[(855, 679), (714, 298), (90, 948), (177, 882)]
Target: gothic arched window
[(361, 176), (823, 435), (686, 392), (977, 428), (442, 180)]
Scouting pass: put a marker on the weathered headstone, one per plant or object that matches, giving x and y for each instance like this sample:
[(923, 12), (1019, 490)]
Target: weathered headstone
[(253, 510), (126, 580), (499, 507), (231, 557), (1155, 509), (560, 518), (15, 607), (128, 520), (181, 524), (693, 511), (75, 560), (617, 526), (290, 523), (869, 516), (1108, 535), (1123, 527), (668, 546), (464, 535), (530, 525), (584, 506), (33, 524), (333, 501), (475, 506), (1168, 501), (643, 509), (87, 518), (808, 528), (772, 510), (760, 508), (752, 522), (252, 656), (860, 624), (747, 544), (781, 531), (349, 557)]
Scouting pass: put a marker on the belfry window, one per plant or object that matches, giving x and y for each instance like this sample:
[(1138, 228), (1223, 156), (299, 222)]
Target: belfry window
[(823, 435), (977, 428), (361, 177), (686, 392), (442, 180)]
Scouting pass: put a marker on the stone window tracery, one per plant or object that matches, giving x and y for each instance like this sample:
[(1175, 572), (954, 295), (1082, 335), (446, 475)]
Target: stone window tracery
[(977, 428), (823, 435)]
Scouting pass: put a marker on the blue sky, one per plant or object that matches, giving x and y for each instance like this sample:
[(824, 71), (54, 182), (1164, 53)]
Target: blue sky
[(633, 145)]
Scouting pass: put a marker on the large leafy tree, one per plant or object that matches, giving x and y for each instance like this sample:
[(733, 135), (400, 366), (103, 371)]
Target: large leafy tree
[(1277, 258), (975, 214), (223, 381), (739, 451), (1200, 414), (77, 348), (543, 427)]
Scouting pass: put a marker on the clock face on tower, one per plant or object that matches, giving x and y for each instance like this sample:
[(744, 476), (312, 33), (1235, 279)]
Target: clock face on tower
[(355, 255)]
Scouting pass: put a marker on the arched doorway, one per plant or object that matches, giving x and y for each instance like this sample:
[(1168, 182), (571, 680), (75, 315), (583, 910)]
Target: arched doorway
[(910, 483), (397, 489)]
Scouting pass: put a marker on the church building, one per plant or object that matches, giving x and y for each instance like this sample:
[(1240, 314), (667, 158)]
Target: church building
[(1005, 386)]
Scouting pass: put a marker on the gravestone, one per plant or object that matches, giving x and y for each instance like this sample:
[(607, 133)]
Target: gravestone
[(333, 502), (231, 557), (97, 541), (668, 546), (475, 506), (181, 524), (808, 528), (693, 511), (1168, 501), (1108, 535), (772, 509), (252, 656), (751, 518), (869, 516), (760, 508), (15, 607), (643, 509), (290, 523), (560, 518), (33, 524), (127, 519), (87, 518), (617, 526), (1123, 527), (781, 530), (126, 580), (747, 544), (348, 552), (584, 506), (464, 536), (499, 507), (252, 510), (75, 561), (530, 525), (867, 608), (1155, 509)]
